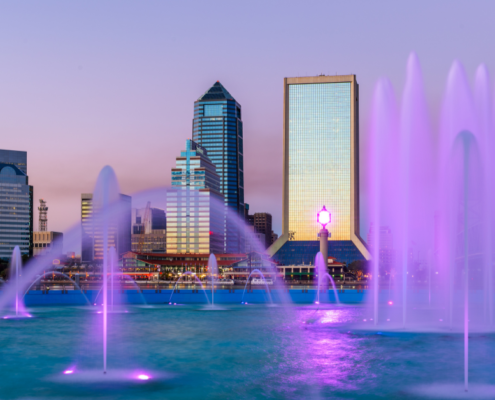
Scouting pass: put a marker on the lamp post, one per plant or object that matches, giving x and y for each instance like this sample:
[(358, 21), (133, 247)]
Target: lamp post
[(324, 218)]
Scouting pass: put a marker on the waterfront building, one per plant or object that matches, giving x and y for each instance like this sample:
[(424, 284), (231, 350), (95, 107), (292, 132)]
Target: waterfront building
[(170, 266), (320, 168), (217, 126), (149, 230), (305, 272), (48, 242), (195, 206), (16, 204), (119, 231)]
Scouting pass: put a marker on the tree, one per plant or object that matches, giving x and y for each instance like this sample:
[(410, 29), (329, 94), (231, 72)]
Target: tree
[(360, 265)]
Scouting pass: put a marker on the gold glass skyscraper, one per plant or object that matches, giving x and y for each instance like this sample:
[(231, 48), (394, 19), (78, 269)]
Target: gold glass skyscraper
[(321, 168)]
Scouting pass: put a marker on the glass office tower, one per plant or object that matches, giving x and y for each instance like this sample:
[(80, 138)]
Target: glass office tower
[(195, 206), (217, 126), (16, 204), (321, 168)]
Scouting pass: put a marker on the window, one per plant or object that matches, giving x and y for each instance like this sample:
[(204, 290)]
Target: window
[(212, 110)]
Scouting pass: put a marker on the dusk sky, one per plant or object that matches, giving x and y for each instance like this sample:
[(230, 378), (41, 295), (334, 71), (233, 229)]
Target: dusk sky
[(88, 84)]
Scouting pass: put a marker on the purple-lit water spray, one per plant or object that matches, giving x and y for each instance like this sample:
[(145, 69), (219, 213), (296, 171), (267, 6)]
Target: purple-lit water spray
[(213, 270), (197, 280), (435, 190), (324, 278), (267, 289)]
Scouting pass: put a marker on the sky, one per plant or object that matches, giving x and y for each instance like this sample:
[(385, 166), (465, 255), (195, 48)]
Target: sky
[(84, 84)]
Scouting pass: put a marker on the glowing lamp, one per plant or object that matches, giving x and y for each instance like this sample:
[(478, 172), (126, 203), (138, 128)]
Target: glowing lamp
[(68, 372), (324, 217), (143, 377)]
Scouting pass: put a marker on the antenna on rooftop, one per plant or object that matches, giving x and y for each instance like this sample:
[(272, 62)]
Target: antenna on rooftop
[(43, 218)]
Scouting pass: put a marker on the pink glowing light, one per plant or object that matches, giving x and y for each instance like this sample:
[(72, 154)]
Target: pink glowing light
[(317, 302), (68, 372), (143, 377), (390, 303), (324, 217)]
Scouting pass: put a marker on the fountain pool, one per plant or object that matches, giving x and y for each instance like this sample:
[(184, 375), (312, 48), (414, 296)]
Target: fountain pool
[(253, 352)]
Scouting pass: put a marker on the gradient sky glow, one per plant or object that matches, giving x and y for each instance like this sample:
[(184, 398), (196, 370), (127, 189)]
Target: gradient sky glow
[(86, 84)]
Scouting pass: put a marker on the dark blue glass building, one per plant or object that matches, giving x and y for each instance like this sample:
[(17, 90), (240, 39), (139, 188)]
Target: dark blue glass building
[(16, 204), (217, 126)]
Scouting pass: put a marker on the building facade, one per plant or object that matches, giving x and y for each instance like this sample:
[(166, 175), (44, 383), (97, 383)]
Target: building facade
[(321, 168), (149, 230), (171, 266), (263, 224), (119, 230), (217, 126), (48, 242), (44, 241), (195, 206), (16, 204)]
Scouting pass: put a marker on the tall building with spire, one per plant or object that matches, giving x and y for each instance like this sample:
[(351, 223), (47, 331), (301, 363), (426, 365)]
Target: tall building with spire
[(217, 126), (195, 207)]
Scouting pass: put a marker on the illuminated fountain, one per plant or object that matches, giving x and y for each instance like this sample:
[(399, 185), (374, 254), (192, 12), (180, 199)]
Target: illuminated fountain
[(15, 274), (435, 192)]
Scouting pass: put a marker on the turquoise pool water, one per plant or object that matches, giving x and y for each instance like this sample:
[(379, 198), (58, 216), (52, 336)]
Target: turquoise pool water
[(244, 352)]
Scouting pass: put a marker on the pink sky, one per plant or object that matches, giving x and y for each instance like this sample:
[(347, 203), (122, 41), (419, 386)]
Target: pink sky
[(86, 84)]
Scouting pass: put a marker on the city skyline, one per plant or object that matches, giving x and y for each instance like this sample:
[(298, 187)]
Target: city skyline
[(114, 105)]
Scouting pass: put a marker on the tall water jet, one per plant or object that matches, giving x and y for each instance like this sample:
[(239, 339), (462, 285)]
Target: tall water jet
[(105, 211), (213, 270), (484, 110), (416, 167), (382, 175), (321, 270), (113, 267), (15, 273)]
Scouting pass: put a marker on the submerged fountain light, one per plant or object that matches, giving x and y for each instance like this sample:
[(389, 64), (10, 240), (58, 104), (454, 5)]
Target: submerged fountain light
[(143, 377), (390, 302), (324, 217), (68, 371)]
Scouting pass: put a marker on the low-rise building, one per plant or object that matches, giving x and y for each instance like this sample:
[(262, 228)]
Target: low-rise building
[(44, 242)]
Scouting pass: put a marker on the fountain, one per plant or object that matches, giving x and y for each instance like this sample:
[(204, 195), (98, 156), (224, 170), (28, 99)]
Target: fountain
[(258, 272), (435, 193), (58, 274), (188, 273), (15, 273), (323, 275)]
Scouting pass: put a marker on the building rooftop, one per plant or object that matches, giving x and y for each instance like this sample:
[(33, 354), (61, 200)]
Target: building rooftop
[(216, 92)]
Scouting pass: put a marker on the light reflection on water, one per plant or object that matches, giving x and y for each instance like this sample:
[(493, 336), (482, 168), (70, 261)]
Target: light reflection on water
[(247, 352)]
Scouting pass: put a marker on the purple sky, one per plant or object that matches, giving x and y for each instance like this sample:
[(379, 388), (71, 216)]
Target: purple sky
[(86, 84)]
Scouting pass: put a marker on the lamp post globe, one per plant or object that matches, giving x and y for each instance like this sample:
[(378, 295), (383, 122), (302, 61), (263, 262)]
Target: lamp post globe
[(324, 217)]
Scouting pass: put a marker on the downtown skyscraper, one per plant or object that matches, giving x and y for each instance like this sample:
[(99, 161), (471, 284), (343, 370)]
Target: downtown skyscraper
[(16, 204), (217, 126), (321, 168)]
